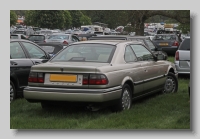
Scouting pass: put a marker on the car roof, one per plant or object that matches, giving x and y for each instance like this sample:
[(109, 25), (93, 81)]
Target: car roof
[(21, 40), (112, 42)]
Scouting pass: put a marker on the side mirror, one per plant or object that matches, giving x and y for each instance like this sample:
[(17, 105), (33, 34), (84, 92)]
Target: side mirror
[(161, 56)]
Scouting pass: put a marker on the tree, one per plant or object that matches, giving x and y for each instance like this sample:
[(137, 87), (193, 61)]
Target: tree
[(50, 18), (85, 20), (30, 18), (76, 15), (68, 19), (13, 18)]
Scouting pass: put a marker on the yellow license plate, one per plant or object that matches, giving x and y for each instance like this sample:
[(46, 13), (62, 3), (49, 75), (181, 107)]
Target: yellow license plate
[(163, 44), (63, 78)]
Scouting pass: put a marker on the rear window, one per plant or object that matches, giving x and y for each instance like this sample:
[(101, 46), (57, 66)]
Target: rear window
[(14, 36), (185, 45), (165, 37), (101, 53), (62, 37), (36, 38)]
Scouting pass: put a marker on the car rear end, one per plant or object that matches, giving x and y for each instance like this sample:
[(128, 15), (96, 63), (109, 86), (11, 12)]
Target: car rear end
[(182, 57), (59, 38), (70, 77), (167, 43)]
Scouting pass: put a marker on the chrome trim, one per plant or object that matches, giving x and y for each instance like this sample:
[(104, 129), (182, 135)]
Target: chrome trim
[(153, 78), (69, 90), (147, 80)]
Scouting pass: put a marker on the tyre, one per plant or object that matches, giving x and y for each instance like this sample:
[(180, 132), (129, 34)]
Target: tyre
[(125, 101), (171, 84), (12, 92)]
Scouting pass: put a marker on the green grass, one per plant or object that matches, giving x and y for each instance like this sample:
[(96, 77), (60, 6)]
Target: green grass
[(171, 59), (159, 111)]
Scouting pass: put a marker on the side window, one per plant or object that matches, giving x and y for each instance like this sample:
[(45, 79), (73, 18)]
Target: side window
[(129, 56), (75, 39), (34, 51), (23, 37), (16, 51), (142, 53)]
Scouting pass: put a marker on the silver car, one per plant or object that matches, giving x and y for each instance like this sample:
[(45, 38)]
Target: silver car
[(62, 38), (98, 73), (182, 57)]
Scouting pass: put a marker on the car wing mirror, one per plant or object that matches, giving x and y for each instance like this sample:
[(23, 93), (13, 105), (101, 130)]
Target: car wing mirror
[(161, 56)]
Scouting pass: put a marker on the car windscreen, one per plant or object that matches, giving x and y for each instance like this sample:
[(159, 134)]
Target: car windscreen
[(185, 45), (14, 36), (62, 37), (37, 38), (101, 53)]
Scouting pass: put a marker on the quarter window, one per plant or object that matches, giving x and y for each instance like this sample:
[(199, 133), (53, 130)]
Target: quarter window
[(16, 51), (34, 51), (129, 56), (142, 53)]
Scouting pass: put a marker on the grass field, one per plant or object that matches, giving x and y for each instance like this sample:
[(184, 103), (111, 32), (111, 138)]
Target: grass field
[(159, 111)]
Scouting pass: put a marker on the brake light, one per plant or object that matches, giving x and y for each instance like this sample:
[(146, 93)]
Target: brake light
[(177, 56), (95, 79), (36, 77), (175, 43), (65, 42)]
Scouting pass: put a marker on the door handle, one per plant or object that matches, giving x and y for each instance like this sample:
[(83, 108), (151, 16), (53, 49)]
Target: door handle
[(14, 63), (37, 63)]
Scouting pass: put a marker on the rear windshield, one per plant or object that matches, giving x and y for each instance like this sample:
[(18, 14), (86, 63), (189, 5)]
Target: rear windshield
[(101, 53), (165, 37), (107, 38), (62, 37), (19, 32), (185, 45), (14, 36), (36, 38)]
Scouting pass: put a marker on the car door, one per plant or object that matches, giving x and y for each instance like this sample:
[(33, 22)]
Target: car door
[(134, 70), (153, 77), (20, 64), (36, 54)]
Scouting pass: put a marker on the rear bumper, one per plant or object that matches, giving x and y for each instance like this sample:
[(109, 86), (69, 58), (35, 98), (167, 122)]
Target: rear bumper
[(78, 95), (181, 70), (169, 50)]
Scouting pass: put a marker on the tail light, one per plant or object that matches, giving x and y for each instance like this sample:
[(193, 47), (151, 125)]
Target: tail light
[(36, 77), (177, 56), (175, 43), (95, 79), (65, 42)]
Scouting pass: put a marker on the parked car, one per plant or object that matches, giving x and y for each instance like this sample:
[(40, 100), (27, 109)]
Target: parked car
[(144, 39), (18, 36), (52, 48), (166, 42), (100, 73), (85, 37), (62, 38), (37, 38), (182, 57), (23, 55)]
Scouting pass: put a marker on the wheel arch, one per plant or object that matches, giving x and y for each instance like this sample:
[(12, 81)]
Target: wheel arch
[(129, 81)]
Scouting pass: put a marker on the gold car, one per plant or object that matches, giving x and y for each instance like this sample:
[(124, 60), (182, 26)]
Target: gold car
[(98, 73)]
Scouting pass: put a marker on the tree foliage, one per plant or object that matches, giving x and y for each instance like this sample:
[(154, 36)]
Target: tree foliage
[(85, 20), (76, 18), (68, 19), (13, 18)]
